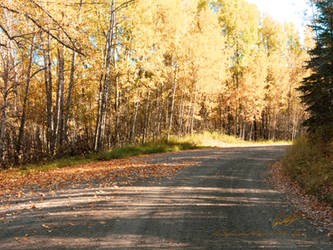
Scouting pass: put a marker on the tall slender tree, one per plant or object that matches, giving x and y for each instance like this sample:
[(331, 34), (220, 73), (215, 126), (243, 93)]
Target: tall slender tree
[(318, 87)]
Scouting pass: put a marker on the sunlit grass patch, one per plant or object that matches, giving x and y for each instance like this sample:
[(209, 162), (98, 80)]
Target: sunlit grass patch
[(206, 138), (58, 163), (218, 139)]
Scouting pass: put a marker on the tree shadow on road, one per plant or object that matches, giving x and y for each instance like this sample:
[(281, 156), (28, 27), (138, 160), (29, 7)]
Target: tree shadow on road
[(222, 203)]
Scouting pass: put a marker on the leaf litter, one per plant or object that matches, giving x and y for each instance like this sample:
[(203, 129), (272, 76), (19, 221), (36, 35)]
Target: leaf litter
[(319, 213), (15, 186)]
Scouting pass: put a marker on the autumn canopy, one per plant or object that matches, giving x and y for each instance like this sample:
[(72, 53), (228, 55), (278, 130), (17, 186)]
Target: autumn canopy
[(81, 75)]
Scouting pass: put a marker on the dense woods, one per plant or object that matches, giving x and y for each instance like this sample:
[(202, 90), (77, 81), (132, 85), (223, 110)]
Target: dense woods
[(78, 76)]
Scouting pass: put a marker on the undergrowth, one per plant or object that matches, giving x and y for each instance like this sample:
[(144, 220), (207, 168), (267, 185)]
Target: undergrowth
[(311, 166), (160, 146), (205, 139)]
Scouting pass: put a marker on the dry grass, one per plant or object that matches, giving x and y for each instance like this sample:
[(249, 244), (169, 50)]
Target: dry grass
[(312, 168), (217, 139)]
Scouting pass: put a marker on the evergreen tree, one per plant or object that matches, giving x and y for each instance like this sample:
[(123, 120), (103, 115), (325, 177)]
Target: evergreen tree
[(318, 87)]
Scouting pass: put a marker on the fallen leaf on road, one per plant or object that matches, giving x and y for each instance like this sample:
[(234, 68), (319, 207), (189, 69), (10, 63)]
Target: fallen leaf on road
[(111, 173), (319, 212)]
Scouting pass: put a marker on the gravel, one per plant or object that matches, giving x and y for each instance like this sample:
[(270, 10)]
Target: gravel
[(223, 202)]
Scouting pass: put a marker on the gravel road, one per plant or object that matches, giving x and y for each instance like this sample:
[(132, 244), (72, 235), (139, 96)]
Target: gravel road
[(224, 202)]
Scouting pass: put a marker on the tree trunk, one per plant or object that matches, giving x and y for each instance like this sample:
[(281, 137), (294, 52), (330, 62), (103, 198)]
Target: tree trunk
[(193, 110), (175, 81), (133, 135), (146, 119), (255, 129), (116, 109), (160, 112), (69, 95), (48, 91), (3, 146), (19, 153), (180, 129), (7, 60), (59, 110), (98, 117), (220, 114), (101, 119)]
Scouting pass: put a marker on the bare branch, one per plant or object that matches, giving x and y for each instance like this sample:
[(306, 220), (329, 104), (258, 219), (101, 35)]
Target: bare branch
[(55, 21), (6, 32), (53, 36), (36, 72), (71, 47), (9, 9), (123, 5), (80, 3), (73, 4), (23, 35), (43, 29)]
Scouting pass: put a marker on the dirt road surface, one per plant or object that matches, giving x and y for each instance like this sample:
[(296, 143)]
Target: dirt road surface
[(224, 202)]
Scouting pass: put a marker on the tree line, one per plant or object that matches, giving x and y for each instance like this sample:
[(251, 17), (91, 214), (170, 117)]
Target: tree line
[(79, 76)]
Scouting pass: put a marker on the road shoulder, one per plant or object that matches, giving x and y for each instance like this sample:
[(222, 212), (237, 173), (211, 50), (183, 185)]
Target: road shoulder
[(319, 213)]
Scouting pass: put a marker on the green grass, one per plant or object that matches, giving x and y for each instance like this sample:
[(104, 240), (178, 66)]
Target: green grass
[(147, 148), (160, 146), (205, 139), (59, 163), (312, 169)]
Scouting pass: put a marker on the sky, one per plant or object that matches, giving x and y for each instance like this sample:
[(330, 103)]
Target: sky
[(286, 10)]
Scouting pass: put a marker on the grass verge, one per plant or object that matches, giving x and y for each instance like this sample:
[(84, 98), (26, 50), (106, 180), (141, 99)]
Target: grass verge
[(205, 139), (311, 168), (160, 146)]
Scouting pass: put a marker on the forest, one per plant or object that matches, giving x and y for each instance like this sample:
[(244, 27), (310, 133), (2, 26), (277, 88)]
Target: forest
[(79, 76)]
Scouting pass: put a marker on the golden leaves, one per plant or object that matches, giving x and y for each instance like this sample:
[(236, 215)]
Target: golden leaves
[(24, 239)]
